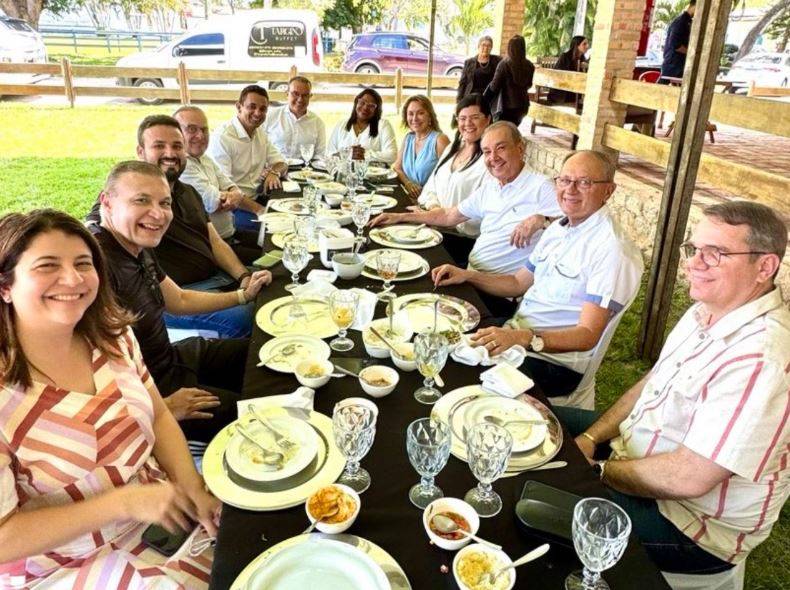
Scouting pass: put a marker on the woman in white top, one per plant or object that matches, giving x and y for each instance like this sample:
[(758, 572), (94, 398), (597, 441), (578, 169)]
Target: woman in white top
[(366, 132), (461, 168)]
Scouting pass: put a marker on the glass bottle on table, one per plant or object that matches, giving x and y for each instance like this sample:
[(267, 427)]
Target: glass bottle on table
[(343, 307), (430, 352)]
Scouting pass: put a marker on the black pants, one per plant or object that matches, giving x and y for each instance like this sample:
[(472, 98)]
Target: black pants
[(216, 366), (554, 380), (513, 115), (245, 244)]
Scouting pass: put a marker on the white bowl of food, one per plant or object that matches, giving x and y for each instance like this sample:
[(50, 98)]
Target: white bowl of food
[(374, 345), (473, 561), (378, 380), (457, 510), (333, 199), (348, 265), (404, 358), (313, 373), (337, 504)]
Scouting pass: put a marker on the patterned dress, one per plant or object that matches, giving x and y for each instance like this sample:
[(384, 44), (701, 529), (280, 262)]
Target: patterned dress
[(59, 447)]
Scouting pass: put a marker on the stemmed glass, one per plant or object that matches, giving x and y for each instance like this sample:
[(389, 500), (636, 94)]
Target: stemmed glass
[(343, 307), (428, 446), (430, 352), (310, 198), (306, 150), (488, 449), (295, 258), (600, 535), (387, 264), (360, 215), (354, 427)]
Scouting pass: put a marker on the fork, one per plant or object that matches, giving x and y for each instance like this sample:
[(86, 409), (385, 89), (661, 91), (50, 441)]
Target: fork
[(280, 439)]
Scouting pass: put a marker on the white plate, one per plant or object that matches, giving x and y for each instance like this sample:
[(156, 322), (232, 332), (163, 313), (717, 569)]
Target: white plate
[(454, 313), (399, 236), (244, 457), (319, 564), (294, 161), (278, 222), (309, 175), (379, 202), (277, 317), (342, 217), (378, 173), (525, 437), (305, 348), (409, 261), (293, 205), (331, 187), (280, 238)]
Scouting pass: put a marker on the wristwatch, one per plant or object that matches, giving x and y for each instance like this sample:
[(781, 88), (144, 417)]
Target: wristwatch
[(536, 344), (599, 467)]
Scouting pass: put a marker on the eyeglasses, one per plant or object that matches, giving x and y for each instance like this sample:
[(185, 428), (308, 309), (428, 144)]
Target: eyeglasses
[(469, 119), (583, 184), (367, 105), (711, 255)]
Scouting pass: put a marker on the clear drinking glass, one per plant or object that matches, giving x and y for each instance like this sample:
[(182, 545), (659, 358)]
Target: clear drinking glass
[(600, 536), (306, 151), (354, 428), (430, 352), (310, 198), (343, 307), (488, 449), (295, 258), (387, 264), (428, 447), (360, 215)]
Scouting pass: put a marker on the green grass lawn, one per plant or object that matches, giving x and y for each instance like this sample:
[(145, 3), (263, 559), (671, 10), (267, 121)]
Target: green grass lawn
[(58, 157)]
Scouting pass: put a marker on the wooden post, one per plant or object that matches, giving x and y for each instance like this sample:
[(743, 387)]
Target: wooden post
[(183, 83), (294, 71), (431, 39), (68, 82), (696, 94), (398, 89)]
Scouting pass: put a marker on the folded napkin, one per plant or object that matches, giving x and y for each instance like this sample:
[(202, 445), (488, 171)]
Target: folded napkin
[(505, 380), (365, 309), (319, 289), (469, 354), (300, 399), (291, 186), (318, 274)]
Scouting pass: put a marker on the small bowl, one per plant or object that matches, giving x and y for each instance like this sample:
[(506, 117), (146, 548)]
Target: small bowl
[(333, 199), (478, 548), (378, 371), (336, 527), (327, 369), (450, 505), (375, 347), (402, 363), (347, 265)]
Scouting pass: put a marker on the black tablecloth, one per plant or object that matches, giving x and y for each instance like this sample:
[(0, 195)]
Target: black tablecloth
[(387, 517)]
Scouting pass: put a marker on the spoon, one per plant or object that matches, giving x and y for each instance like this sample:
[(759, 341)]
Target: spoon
[(531, 556), (415, 232), (271, 458), (504, 423), (378, 334), (285, 351), (340, 369), (447, 525), (327, 514), (550, 465)]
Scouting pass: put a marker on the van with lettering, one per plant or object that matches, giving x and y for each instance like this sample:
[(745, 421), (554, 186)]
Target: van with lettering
[(263, 40)]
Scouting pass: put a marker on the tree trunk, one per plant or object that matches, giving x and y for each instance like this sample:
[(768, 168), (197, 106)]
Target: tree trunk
[(28, 10), (751, 37), (785, 40)]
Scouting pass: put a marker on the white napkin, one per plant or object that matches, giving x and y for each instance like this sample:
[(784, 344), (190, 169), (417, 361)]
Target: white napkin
[(365, 309), (385, 189), (471, 355), (291, 186), (319, 288), (318, 274), (505, 380), (301, 399)]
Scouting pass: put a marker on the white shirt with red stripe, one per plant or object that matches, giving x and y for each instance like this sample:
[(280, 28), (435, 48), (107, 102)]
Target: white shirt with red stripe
[(722, 391)]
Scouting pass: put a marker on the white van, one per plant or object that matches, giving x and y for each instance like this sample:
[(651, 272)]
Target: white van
[(256, 40)]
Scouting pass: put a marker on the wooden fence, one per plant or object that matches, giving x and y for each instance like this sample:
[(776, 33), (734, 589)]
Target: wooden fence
[(187, 93)]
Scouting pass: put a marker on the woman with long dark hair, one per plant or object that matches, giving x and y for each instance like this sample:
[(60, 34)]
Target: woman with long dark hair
[(89, 453), (366, 132), (507, 92), (573, 60)]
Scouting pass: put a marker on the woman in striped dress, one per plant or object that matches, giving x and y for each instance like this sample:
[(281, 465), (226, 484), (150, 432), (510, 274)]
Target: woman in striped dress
[(89, 454)]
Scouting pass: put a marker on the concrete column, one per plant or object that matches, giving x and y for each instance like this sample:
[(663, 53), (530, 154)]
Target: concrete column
[(618, 24), (509, 21)]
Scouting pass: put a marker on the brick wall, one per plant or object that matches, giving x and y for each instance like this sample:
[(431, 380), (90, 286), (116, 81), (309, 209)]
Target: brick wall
[(509, 21)]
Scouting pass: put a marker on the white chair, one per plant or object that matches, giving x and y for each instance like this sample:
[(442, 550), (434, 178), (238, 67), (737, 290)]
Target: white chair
[(584, 395), (732, 579)]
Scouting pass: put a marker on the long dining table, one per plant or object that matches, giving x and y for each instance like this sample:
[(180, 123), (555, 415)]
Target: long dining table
[(387, 517)]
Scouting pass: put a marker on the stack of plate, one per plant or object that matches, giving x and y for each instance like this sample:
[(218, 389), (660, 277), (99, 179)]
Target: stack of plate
[(533, 445), (380, 173), (296, 315), (378, 202), (293, 205), (411, 266), (453, 313), (234, 468), (406, 236)]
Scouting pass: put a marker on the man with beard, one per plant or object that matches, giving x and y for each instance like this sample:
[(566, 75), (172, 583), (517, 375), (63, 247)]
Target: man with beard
[(191, 252)]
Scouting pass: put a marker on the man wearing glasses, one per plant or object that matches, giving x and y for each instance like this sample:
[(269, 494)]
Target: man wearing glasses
[(292, 125), (582, 273), (700, 446)]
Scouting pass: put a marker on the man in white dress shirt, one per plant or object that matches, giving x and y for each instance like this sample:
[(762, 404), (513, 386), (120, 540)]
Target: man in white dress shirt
[(292, 125), (701, 444), (582, 272), (244, 152), (220, 196)]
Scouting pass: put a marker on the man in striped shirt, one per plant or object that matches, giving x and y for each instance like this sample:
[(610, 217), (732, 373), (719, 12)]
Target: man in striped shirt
[(700, 445)]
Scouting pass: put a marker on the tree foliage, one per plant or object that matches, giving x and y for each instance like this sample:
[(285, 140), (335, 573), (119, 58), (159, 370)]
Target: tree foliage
[(353, 13), (780, 29), (471, 18), (548, 25), (771, 12)]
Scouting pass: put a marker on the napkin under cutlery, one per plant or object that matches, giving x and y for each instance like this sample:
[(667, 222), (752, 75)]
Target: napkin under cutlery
[(505, 380), (471, 355), (317, 288), (300, 399)]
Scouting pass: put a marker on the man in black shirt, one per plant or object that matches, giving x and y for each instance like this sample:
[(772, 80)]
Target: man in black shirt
[(676, 44), (200, 379)]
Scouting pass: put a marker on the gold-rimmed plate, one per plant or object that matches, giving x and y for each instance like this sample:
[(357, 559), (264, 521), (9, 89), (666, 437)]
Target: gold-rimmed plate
[(453, 314), (296, 315), (406, 237), (411, 266), (293, 205), (280, 238)]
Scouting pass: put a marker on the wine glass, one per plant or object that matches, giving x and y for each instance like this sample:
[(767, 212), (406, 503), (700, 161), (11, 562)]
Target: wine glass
[(354, 427), (306, 150), (360, 215), (295, 258), (428, 446), (600, 535), (387, 264), (430, 352), (343, 307), (488, 449)]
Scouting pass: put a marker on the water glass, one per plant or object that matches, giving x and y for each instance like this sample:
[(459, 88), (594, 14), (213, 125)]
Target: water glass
[(306, 151), (360, 215), (387, 264), (488, 449), (430, 352), (428, 447), (310, 198), (600, 535), (354, 428), (343, 307), (295, 258)]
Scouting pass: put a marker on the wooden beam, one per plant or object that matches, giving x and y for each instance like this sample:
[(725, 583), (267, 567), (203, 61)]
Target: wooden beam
[(642, 146), (183, 83), (696, 94), (127, 91), (17, 68), (660, 97), (68, 80), (571, 81), (768, 91), (31, 89), (398, 89), (555, 117)]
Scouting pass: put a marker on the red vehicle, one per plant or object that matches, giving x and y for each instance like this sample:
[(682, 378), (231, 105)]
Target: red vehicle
[(384, 52)]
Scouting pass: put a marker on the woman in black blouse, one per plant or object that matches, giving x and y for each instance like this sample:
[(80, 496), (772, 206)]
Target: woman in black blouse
[(478, 70), (507, 92), (572, 60)]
